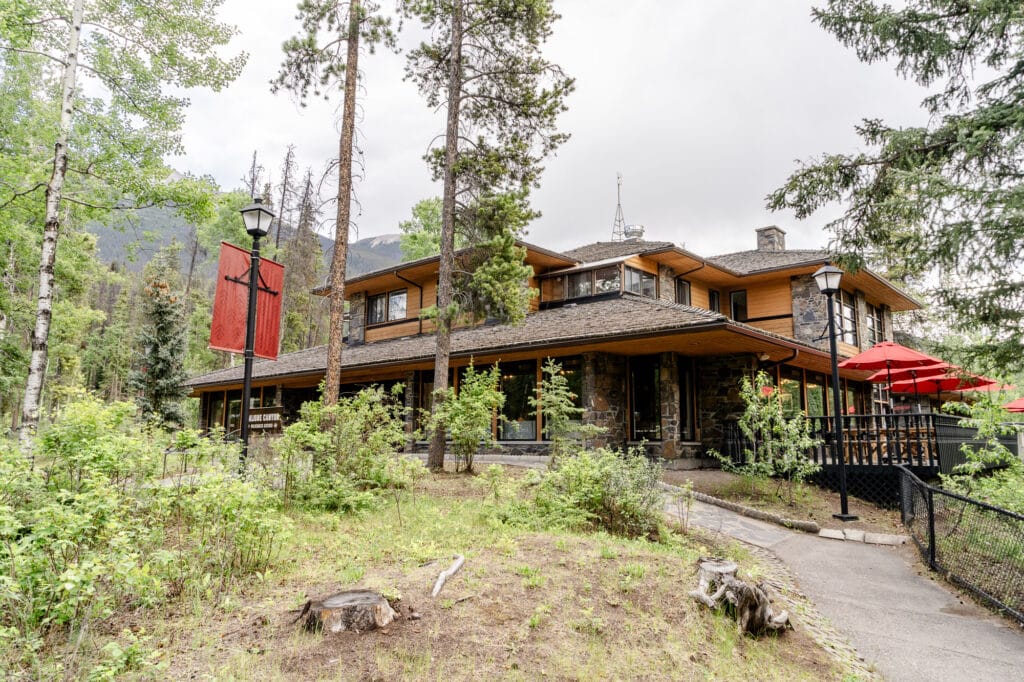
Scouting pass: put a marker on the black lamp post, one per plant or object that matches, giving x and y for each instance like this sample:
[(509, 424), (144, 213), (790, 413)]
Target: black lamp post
[(827, 278), (257, 219)]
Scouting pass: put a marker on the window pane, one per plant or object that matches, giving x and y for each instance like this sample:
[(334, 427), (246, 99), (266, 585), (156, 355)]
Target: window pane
[(738, 305), (645, 398), (714, 301), (816, 397), (607, 279), (376, 309), (581, 284), (518, 384), (789, 395), (396, 305), (648, 285), (682, 292)]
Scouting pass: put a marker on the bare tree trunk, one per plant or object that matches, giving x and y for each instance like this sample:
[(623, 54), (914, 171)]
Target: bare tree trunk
[(435, 458), (51, 228), (8, 283), (191, 266), (289, 164), (338, 261)]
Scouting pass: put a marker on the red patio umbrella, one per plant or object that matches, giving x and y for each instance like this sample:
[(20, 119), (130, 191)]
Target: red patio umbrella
[(1015, 405), (938, 384), (910, 373), (888, 356)]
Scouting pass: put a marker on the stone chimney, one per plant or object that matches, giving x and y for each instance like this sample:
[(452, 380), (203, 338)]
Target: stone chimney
[(771, 238)]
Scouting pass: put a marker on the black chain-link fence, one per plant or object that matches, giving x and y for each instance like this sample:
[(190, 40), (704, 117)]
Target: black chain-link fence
[(978, 546)]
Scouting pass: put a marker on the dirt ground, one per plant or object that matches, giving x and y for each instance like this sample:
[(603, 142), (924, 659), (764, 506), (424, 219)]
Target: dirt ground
[(811, 504)]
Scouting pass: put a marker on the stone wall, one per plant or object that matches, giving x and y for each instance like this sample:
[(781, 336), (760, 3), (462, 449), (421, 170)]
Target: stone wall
[(357, 319), (810, 312), (718, 395), (604, 396)]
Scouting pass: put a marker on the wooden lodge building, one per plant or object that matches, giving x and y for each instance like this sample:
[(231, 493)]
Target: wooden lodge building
[(654, 339)]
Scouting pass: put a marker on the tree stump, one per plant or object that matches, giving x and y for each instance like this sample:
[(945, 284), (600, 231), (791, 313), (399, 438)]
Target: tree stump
[(718, 586), (356, 610)]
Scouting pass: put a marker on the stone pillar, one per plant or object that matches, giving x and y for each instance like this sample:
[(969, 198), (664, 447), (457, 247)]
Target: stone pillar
[(410, 410), (604, 396), (669, 382), (357, 319), (718, 390), (810, 312), (666, 284)]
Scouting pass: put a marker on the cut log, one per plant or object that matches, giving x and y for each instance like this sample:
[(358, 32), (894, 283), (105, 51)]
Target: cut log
[(718, 586), (356, 610)]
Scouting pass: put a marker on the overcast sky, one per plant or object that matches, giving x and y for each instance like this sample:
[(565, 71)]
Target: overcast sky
[(702, 105)]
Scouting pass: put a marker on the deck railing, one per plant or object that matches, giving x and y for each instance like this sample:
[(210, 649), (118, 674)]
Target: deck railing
[(913, 439)]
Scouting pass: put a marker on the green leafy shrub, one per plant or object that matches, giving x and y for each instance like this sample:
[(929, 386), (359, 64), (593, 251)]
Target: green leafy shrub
[(469, 414), (557, 404), (88, 531), (779, 445), (332, 456), (991, 472), (603, 489)]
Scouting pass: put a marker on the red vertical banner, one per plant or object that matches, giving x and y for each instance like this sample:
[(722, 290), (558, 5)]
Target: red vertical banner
[(231, 303)]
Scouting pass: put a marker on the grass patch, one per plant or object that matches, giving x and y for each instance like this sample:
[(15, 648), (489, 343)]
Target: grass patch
[(810, 502), (617, 609)]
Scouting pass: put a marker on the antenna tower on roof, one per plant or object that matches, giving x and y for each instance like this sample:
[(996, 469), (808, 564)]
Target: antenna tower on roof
[(619, 226)]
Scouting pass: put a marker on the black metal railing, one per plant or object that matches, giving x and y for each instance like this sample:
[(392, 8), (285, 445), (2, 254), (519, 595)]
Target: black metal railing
[(913, 439), (979, 546)]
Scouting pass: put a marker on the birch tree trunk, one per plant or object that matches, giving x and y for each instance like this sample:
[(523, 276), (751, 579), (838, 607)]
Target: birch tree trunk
[(51, 229), (435, 458), (338, 261)]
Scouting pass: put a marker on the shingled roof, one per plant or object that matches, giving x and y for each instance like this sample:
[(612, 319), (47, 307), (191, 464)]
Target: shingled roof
[(749, 262), (611, 318), (589, 253)]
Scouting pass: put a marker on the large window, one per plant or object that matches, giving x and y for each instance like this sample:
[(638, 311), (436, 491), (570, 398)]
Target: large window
[(607, 280), (645, 398), (682, 292), (846, 317), (581, 284), (518, 384), (876, 329), (572, 370), (791, 390), (738, 305), (640, 282), (387, 307)]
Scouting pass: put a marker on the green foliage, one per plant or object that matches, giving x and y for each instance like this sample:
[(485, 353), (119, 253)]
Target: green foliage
[(89, 532), (603, 489), (333, 457), (938, 204), (314, 61), (159, 376), (991, 472), (469, 414), (557, 404), (778, 445), (303, 258), (421, 235)]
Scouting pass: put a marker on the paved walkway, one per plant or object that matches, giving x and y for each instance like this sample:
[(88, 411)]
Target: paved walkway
[(908, 627), (905, 625)]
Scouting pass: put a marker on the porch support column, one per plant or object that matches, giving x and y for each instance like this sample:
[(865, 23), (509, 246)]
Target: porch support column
[(410, 410), (669, 382)]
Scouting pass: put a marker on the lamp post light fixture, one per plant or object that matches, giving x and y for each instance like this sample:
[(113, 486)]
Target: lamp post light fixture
[(257, 219), (828, 278)]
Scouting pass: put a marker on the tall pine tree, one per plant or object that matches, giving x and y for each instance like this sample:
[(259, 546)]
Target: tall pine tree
[(159, 374), (944, 202), (483, 64)]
